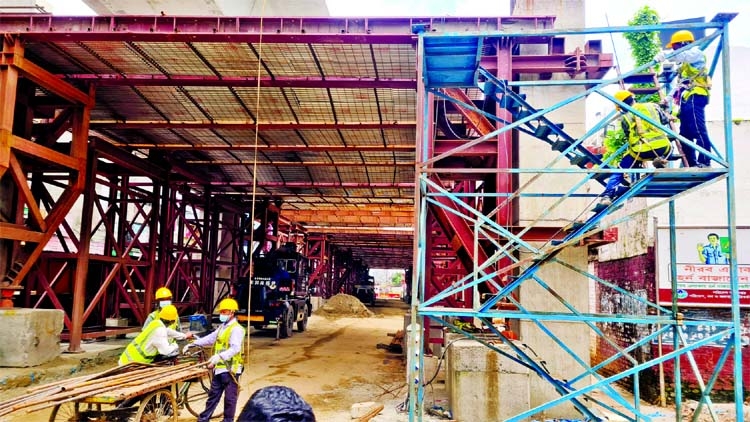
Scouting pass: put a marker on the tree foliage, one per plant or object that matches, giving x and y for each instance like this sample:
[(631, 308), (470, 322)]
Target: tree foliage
[(644, 45)]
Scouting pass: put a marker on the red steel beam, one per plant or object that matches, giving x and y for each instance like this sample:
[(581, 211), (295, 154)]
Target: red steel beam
[(275, 148), (336, 30), (161, 124)]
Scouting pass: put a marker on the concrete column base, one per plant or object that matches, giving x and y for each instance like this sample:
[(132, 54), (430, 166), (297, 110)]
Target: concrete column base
[(483, 385), (30, 337)]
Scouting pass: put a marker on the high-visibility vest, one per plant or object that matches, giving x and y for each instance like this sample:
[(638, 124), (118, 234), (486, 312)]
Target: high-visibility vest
[(694, 80), (222, 344), (135, 351), (153, 316), (642, 135)]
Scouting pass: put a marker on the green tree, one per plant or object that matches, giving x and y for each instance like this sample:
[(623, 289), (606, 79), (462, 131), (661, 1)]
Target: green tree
[(396, 279), (644, 45)]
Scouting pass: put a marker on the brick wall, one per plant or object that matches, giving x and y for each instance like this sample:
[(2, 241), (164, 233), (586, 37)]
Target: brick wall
[(636, 275)]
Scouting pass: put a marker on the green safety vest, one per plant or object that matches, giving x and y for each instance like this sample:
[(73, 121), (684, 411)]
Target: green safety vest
[(222, 344), (694, 80), (643, 136), (135, 352)]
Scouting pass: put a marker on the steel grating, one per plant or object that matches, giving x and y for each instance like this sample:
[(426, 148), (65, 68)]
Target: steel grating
[(337, 96)]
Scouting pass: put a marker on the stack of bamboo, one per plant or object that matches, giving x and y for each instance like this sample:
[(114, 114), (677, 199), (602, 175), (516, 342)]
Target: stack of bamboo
[(109, 387)]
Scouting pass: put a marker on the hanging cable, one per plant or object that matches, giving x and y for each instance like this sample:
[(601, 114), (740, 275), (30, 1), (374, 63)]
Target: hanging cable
[(254, 174)]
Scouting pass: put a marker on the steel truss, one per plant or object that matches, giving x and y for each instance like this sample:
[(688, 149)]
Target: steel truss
[(497, 256)]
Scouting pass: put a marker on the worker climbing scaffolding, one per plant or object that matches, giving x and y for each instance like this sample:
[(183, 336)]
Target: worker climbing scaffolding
[(645, 141)]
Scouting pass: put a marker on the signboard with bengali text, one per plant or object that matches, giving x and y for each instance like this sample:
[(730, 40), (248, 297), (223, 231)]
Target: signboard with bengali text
[(702, 264)]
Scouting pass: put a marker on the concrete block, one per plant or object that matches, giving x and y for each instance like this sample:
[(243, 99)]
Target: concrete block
[(31, 337), (484, 385)]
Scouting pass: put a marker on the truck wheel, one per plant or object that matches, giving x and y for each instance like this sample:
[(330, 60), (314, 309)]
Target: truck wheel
[(302, 325), (287, 324)]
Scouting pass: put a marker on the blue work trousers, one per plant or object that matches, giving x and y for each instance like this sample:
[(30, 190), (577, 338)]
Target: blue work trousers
[(614, 186), (221, 383), (693, 127)]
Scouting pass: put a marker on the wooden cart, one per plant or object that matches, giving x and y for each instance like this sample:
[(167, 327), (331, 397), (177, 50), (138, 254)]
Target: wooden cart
[(133, 392)]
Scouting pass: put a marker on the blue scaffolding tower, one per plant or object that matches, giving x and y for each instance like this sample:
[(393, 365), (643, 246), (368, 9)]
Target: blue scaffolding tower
[(453, 61)]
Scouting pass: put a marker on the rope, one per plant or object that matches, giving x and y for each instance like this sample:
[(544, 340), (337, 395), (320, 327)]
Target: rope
[(255, 178)]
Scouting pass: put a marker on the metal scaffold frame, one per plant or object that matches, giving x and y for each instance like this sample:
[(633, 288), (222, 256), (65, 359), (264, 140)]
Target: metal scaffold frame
[(503, 258)]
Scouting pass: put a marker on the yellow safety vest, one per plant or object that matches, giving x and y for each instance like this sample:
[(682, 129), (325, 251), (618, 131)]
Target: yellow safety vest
[(694, 80), (175, 325), (222, 344), (642, 135), (135, 351)]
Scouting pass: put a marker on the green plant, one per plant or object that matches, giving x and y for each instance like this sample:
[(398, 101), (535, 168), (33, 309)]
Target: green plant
[(614, 138), (644, 45)]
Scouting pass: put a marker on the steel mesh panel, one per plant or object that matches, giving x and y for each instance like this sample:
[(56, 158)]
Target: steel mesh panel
[(378, 157), (398, 105), (345, 156), (239, 136), (356, 105), (312, 105), (353, 174), (173, 103), (281, 137), (345, 60), (381, 174), (199, 136), (219, 103), (68, 62), (220, 155), (231, 59), (175, 58), (120, 56), (358, 195), (400, 136), (249, 156), (321, 137), (325, 175), (273, 105), (265, 174), (404, 156), (294, 174), (362, 137), (122, 103), (240, 173), (394, 61), (288, 59)]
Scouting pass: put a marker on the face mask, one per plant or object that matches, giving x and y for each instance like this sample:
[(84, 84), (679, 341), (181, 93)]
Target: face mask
[(163, 303), (224, 318)]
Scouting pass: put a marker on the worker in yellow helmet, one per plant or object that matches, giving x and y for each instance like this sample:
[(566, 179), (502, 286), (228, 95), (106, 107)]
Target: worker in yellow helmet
[(692, 91), (163, 298), (153, 344), (646, 142), (227, 361)]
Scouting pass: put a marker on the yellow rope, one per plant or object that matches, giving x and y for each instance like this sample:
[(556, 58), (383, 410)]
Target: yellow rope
[(255, 177)]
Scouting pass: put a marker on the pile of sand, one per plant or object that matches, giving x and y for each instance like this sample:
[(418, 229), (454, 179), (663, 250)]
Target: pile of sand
[(343, 305)]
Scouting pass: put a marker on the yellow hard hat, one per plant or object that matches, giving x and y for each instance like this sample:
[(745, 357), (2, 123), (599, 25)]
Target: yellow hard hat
[(168, 313), (228, 304), (682, 35), (622, 95), (163, 293)]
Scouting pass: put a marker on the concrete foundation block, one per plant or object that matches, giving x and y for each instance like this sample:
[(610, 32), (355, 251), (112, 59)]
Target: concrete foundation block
[(483, 385), (30, 337)]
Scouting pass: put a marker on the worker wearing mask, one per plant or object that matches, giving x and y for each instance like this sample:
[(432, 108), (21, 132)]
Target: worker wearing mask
[(646, 142), (152, 344), (163, 298), (693, 91), (227, 361)]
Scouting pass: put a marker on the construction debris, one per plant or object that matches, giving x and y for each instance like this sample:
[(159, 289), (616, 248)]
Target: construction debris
[(343, 305), (363, 412)]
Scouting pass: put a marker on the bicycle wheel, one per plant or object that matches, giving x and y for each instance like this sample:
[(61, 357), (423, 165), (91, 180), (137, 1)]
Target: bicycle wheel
[(156, 407), (195, 402), (66, 412)]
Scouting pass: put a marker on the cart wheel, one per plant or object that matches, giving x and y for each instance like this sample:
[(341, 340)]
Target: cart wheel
[(66, 412), (302, 325), (157, 406), (196, 402)]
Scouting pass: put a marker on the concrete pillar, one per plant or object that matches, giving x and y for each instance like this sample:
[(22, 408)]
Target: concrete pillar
[(483, 384), (30, 337)]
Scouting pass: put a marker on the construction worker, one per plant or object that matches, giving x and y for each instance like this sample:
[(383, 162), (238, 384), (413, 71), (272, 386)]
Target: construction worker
[(227, 361), (646, 142), (693, 91), (276, 403), (153, 344), (163, 297)]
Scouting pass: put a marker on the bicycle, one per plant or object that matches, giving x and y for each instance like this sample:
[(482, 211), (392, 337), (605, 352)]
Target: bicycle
[(184, 398)]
